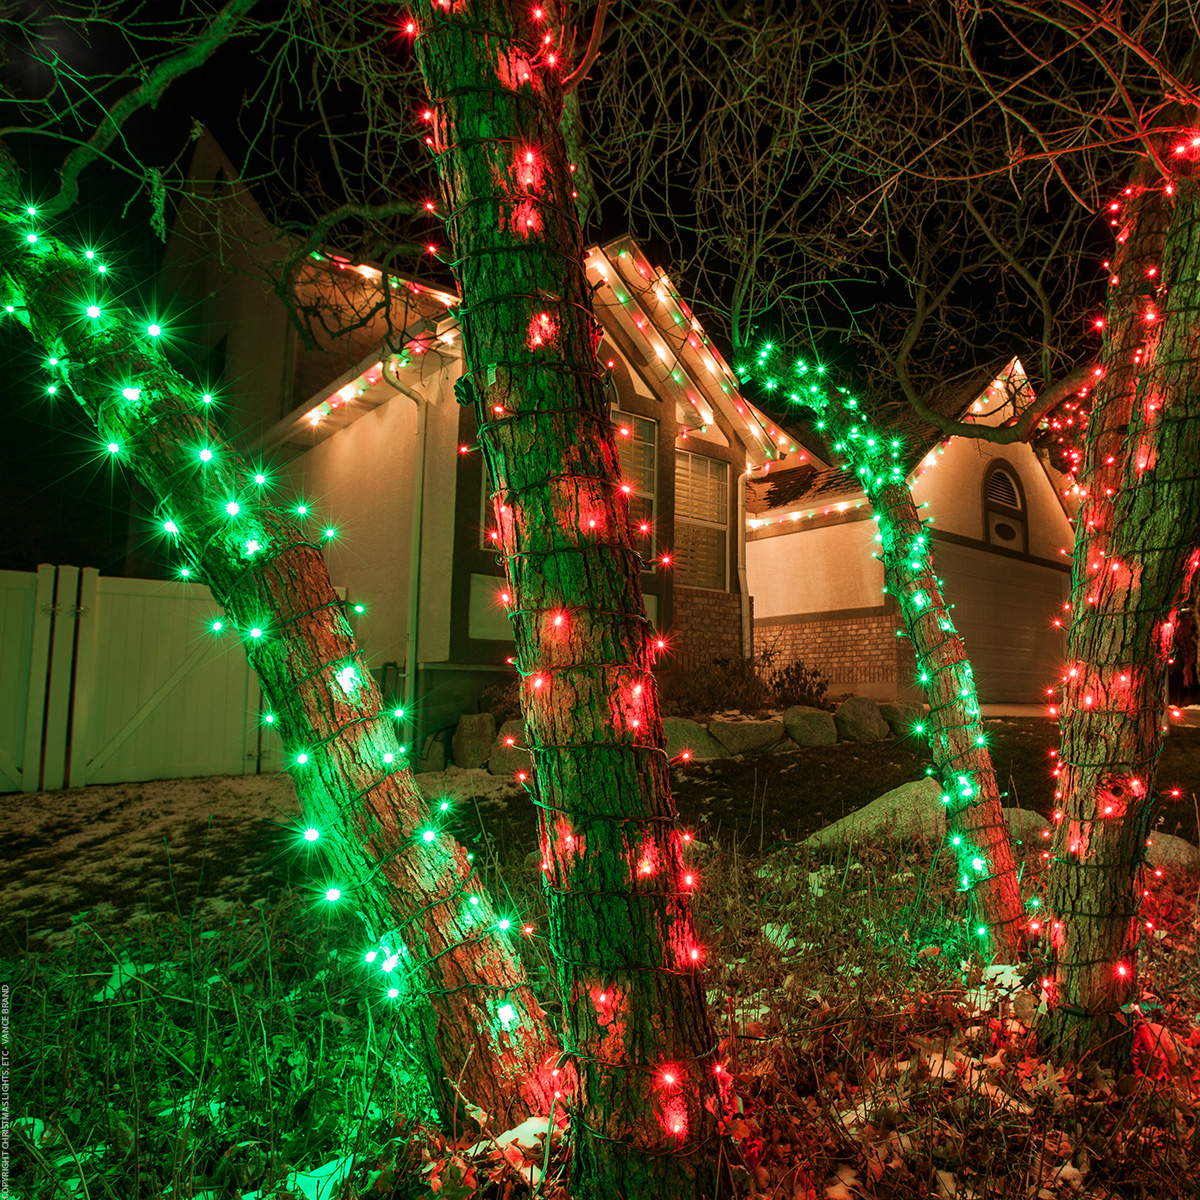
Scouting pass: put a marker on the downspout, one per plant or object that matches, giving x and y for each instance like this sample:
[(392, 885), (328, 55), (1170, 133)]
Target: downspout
[(414, 565), (414, 557), (743, 587)]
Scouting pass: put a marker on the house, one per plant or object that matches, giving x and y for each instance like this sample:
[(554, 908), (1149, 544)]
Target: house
[(1001, 518), (366, 430)]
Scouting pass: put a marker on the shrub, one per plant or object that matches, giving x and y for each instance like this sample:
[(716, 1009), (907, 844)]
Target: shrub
[(799, 684), (724, 683), (502, 700)]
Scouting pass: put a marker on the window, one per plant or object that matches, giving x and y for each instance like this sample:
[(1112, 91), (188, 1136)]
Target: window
[(701, 520), (637, 451), (1004, 508)]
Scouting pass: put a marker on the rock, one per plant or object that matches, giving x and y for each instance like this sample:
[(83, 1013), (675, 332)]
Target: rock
[(858, 720), (691, 735), (473, 739), (746, 737), (1025, 826), (1173, 853), (431, 755), (506, 756), (901, 717), (911, 810), (810, 726)]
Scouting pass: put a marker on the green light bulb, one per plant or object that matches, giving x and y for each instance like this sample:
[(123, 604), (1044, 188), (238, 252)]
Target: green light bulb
[(93, 311), (260, 478), (217, 626), (392, 993), (333, 895), (185, 572), (311, 835), (507, 1015), (206, 455), (89, 254), (444, 806), (170, 527), (360, 608), (31, 238), (301, 759), (256, 633), (503, 924), (154, 330), (131, 393), (429, 835), (207, 398), (302, 509), (52, 389), (371, 956), (398, 713), (269, 718), (331, 532), (233, 508)]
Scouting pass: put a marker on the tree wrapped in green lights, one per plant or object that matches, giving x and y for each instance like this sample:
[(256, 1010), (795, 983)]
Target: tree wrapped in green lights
[(474, 1033), (977, 830)]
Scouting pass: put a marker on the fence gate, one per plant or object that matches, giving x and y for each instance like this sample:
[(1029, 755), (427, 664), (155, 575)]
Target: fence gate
[(108, 680)]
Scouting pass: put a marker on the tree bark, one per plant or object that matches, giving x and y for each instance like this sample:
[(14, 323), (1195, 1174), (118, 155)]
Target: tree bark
[(469, 1014), (616, 878), (1135, 555), (976, 828)]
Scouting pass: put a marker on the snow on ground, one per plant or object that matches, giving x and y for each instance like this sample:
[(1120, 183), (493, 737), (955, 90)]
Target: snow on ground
[(116, 852)]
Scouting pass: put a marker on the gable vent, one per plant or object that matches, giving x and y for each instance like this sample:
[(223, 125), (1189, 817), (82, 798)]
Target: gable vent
[(1001, 489)]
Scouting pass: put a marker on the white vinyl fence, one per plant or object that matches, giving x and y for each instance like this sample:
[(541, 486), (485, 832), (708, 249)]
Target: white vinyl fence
[(120, 680)]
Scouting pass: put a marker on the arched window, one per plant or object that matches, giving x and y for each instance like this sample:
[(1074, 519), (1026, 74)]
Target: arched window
[(1004, 508)]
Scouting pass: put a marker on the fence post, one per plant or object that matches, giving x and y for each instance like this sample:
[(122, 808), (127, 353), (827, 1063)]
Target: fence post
[(62, 655), (35, 694), (83, 687)]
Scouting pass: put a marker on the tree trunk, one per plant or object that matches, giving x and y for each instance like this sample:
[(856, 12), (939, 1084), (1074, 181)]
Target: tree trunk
[(618, 886), (1135, 554), (470, 1015), (975, 824)]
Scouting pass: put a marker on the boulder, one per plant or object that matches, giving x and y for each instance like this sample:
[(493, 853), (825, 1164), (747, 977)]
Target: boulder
[(901, 717), (691, 735), (507, 756), (746, 737), (810, 726), (431, 755), (473, 739), (1025, 827), (858, 720), (911, 810), (1173, 853)]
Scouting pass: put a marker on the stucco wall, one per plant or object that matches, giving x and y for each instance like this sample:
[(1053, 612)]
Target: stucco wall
[(813, 571), (953, 490), (360, 481)]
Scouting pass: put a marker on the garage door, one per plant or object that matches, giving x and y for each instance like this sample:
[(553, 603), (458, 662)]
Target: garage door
[(1004, 608)]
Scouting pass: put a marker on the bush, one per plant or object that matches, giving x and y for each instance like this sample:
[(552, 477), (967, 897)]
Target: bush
[(502, 700), (724, 683), (799, 684)]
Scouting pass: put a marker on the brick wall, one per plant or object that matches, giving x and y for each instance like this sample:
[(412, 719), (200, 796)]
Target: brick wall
[(850, 650), (706, 625)]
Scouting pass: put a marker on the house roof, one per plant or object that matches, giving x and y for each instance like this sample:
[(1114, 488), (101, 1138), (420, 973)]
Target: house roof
[(802, 486), (668, 346)]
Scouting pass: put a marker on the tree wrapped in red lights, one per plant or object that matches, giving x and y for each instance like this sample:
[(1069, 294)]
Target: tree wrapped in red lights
[(630, 965), (1136, 551)]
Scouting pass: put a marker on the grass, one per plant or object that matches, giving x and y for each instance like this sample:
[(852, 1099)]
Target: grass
[(192, 1055)]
